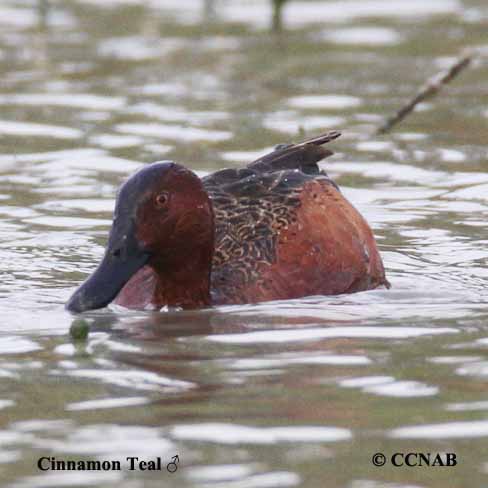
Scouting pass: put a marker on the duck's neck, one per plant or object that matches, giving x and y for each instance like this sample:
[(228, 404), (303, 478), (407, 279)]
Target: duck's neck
[(184, 284)]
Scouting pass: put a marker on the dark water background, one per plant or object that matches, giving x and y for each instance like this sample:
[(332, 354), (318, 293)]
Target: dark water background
[(299, 393)]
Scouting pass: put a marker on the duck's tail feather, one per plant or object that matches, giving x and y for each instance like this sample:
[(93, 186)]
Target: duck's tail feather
[(303, 156)]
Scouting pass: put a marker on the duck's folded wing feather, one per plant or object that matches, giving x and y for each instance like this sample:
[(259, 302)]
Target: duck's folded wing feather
[(303, 156), (253, 204)]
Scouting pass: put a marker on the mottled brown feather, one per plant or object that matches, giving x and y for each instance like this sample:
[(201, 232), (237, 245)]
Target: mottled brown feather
[(324, 248)]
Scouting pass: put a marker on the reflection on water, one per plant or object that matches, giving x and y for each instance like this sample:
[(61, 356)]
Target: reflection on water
[(297, 393)]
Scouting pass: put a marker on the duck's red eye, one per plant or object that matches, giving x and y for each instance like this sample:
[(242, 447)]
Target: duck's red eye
[(162, 200)]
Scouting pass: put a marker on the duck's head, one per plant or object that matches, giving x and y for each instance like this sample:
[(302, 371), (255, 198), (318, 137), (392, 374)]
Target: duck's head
[(161, 214)]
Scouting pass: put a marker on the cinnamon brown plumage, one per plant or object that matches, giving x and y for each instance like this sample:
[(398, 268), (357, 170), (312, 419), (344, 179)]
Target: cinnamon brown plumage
[(277, 229)]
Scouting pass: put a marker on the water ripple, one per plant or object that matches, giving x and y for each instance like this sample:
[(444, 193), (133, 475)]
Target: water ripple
[(240, 434), (278, 336), (448, 430)]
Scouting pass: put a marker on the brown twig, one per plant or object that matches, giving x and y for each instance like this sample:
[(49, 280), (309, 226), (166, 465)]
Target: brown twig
[(430, 89)]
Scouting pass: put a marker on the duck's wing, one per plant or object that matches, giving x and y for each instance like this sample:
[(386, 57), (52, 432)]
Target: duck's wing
[(261, 198), (264, 230), (250, 212), (303, 156), (279, 172)]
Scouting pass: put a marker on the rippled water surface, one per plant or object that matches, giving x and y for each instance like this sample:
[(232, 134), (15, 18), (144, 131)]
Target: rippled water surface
[(299, 393)]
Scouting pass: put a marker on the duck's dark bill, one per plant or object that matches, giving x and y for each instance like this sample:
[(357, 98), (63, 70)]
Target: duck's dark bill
[(105, 283)]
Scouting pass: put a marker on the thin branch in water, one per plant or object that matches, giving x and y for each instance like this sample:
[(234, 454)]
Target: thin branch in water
[(430, 89)]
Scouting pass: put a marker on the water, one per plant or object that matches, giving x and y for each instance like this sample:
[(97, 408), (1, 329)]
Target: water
[(299, 393)]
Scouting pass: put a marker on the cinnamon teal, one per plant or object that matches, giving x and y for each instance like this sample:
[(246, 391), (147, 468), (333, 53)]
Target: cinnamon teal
[(277, 229)]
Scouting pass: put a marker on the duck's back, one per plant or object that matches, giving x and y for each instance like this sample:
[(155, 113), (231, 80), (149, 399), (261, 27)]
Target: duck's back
[(284, 230)]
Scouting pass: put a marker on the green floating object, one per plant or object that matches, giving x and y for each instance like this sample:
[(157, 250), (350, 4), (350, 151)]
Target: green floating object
[(79, 330)]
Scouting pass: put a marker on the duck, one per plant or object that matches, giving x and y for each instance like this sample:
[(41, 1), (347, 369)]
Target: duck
[(276, 229)]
